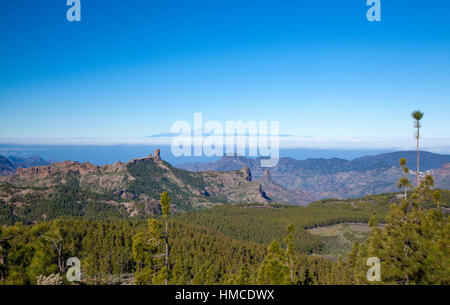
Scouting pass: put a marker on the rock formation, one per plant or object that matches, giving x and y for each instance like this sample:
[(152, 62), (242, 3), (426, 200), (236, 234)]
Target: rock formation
[(157, 154), (247, 173)]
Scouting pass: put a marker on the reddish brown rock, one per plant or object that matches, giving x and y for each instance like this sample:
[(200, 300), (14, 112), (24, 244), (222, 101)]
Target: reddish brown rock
[(34, 172), (157, 154), (247, 173)]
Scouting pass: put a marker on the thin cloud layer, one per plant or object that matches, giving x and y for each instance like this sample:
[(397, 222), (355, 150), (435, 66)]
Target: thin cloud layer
[(438, 145)]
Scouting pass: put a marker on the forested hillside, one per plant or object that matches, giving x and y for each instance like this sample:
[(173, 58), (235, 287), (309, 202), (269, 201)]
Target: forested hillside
[(220, 245), (265, 224), (199, 255)]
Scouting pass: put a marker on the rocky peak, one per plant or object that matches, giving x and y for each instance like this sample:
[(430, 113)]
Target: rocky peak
[(157, 154), (87, 167), (247, 173)]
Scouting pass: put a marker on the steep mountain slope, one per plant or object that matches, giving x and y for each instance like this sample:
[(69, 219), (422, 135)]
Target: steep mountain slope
[(280, 194)]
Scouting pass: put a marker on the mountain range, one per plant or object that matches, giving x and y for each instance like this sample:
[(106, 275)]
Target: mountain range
[(338, 178), (133, 188), (129, 189)]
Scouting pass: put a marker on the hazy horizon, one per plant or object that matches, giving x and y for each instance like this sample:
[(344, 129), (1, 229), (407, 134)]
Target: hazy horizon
[(109, 154)]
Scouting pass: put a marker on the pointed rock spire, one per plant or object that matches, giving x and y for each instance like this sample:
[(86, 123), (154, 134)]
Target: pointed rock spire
[(247, 173), (157, 154)]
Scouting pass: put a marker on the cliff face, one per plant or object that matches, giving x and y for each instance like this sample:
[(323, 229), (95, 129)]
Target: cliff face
[(278, 193)]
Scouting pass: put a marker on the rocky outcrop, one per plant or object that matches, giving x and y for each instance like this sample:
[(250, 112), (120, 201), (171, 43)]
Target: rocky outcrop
[(247, 174), (42, 172), (157, 154), (39, 172), (116, 167), (87, 167)]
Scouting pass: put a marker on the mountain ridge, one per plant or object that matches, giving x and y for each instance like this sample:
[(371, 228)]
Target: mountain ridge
[(128, 189), (323, 178)]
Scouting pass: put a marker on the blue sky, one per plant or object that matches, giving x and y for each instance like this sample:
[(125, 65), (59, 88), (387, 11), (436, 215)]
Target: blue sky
[(130, 69)]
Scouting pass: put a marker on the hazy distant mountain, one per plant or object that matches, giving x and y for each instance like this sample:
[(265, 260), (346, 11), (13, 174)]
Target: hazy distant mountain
[(8, 166), (324, 178), (285, 165), (28, 162), (226, 163), (427, 160)]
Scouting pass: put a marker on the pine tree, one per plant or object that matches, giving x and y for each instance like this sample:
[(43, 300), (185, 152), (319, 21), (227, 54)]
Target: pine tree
[(243, 277), (210, 278), (273, 271), (417, 116), (404, 182), (437, 198), (165, 209), (146, 249), (412, 246), (289, 240), (4, 245)]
